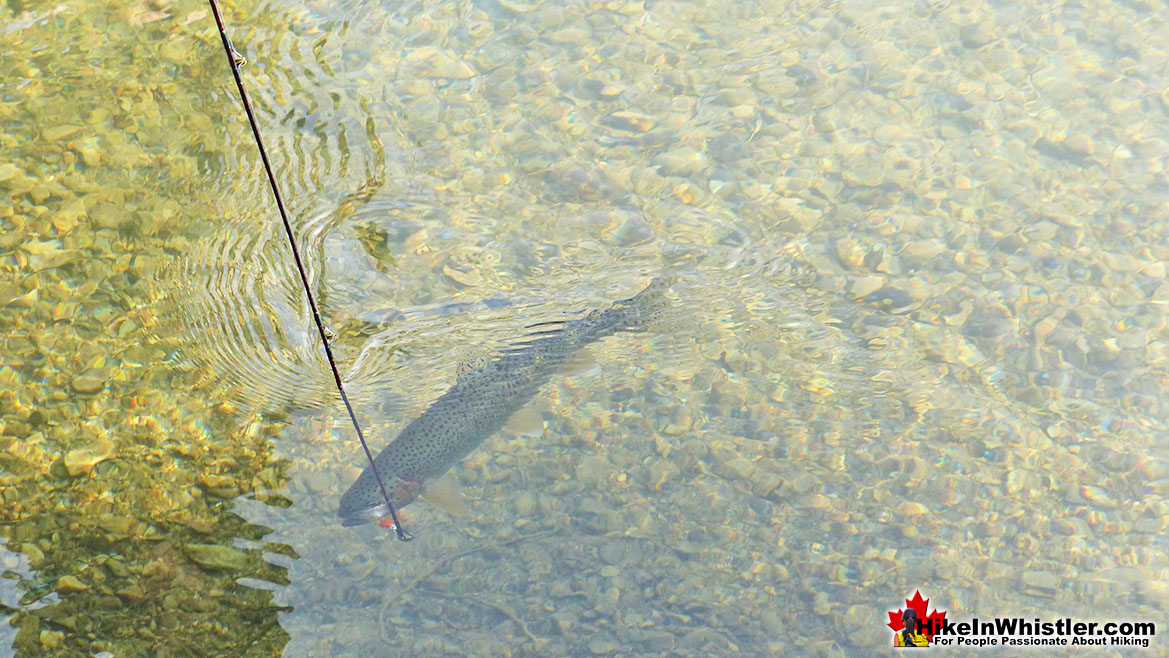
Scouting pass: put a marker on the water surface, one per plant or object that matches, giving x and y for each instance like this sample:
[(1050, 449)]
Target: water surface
[(920, 342)]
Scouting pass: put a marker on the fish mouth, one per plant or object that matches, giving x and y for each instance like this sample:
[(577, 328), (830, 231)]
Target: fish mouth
[(364, 502), (359, 505), (367, 515)]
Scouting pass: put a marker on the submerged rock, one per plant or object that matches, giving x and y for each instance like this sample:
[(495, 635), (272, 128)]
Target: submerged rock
[(214, 556), (82, 460)]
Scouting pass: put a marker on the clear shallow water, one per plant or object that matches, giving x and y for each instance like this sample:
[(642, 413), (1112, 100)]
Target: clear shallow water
[(920, 341)]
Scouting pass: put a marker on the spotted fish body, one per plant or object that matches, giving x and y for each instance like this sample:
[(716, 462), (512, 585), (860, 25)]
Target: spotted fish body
[(480, 403)]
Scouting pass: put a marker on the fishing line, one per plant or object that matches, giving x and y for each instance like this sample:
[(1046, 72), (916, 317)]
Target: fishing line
[(236, 60)]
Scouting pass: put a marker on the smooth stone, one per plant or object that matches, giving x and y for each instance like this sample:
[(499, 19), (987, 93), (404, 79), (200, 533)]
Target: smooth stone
[(602, 643), (82, 460), (52, 639), (214, 556), (70, 584), (633, 122), (911, 509), (681, 162), (1098, 497), (524, 504), (57, 133), (922, 250), (976, 35), (87, 383), (864, 286), (1041, 583)]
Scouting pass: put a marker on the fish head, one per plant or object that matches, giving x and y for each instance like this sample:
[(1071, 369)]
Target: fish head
[(364, 503)]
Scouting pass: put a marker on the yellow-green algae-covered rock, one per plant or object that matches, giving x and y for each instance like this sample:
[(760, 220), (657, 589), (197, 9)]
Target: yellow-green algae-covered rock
[(82, 460), (214, 556)]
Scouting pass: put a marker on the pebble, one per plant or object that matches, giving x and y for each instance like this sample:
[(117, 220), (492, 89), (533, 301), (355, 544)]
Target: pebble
[(887, 134), (82, 460), (1041, 583), (803, 483), (519, 7), (469, 278), (88, 383), (1098, 497), (572, 35), (633, 122), (1079, 144), (863, 286), (70, 584), (105, 215), (602, 643), (60, 132), (318, 482), (851, 253), (52, 639), (743, 111), (431, 62), (215, 556), (564, 621), (857, 621), (922, 250), (660, 472), (524, 504), (681, 162), (911, 509), (763, 482), (739, 468), (767, 131)]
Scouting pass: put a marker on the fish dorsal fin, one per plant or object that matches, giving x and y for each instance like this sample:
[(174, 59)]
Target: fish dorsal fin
[(444, 493), (526, 422), (546, 326), (470, 364), (536, 335)]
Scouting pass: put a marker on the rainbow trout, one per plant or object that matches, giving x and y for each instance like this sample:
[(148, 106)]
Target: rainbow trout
[(482, 400)]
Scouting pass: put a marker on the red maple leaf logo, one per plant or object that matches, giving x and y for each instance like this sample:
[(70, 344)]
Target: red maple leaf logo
[(919, 606)]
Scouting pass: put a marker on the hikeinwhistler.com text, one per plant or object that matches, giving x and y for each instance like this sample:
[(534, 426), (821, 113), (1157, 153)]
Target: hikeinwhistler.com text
[(1019, 632)]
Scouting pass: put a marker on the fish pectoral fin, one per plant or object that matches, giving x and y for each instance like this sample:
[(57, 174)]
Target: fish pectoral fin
[(444, 493), (526, 422), (584, 362)]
